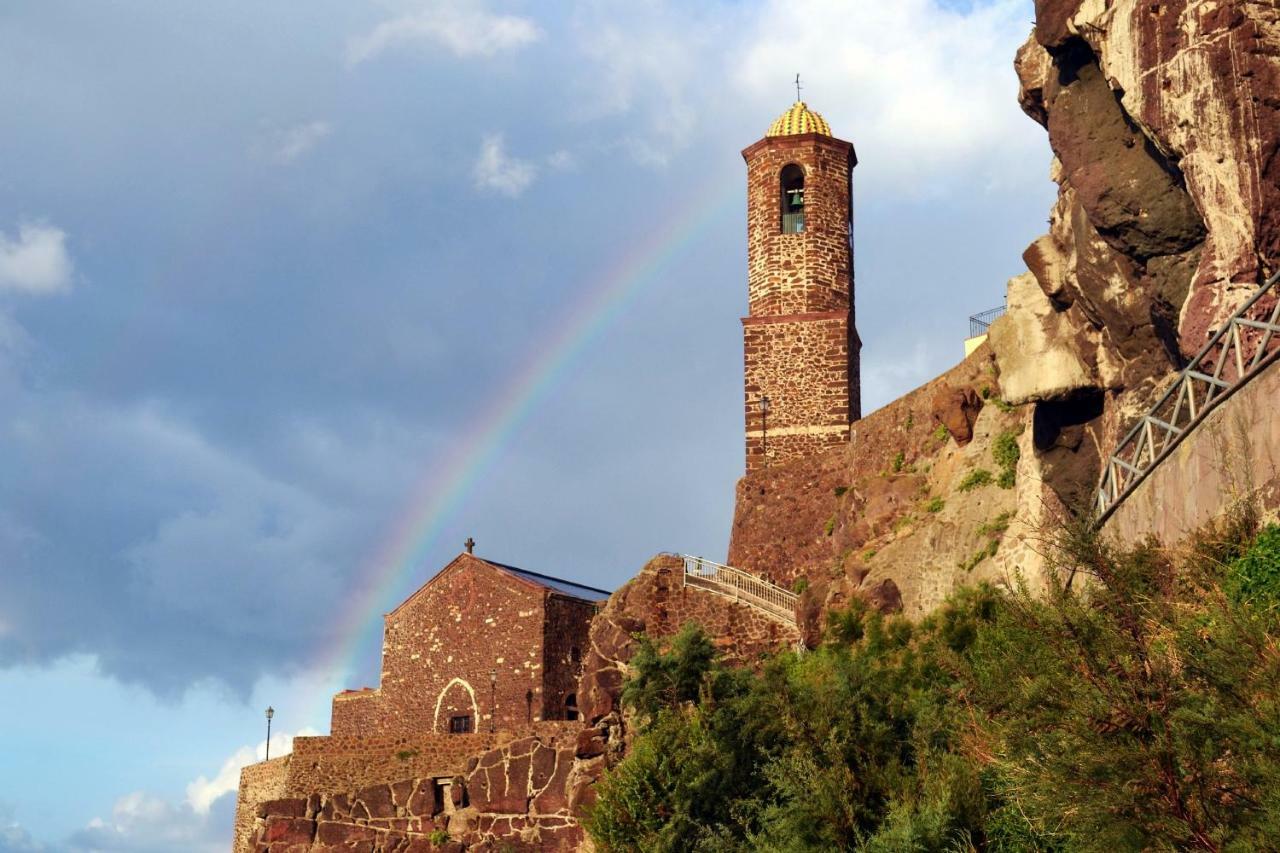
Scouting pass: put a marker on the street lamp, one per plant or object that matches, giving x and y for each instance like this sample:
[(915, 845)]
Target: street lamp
[(764, 429), (271, 712), (493, 700)]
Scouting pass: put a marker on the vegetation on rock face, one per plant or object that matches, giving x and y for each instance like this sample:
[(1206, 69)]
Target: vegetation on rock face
[(976, 478), (1134, 711), (1006, 453)]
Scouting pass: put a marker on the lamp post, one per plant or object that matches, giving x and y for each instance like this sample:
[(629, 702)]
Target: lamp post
[(493, 700), (271, 712), (764, 429)]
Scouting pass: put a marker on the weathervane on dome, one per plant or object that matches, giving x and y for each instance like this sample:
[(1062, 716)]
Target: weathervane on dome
[(798, 86)]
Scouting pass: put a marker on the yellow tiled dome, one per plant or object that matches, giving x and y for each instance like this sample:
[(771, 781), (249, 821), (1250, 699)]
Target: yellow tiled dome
[(799, 119)]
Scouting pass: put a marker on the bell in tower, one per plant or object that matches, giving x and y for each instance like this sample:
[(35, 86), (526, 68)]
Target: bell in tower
[(800, 342)]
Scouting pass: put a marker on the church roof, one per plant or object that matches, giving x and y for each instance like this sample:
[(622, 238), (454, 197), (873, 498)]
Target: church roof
[(799, 119), (577, 590)]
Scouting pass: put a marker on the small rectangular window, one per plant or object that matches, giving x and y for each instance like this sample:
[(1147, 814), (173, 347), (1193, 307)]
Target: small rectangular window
[(460, 725)]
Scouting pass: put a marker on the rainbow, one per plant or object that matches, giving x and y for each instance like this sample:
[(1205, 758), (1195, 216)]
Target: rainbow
[(443, 490)]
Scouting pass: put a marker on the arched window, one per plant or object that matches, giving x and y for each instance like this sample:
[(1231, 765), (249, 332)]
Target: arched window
[(792, 199)]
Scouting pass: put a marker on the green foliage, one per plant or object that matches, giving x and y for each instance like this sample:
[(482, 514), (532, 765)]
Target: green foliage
[(988, 550), (898, 460), (934, 504), (911, 420), (1131, 707), (941, 434), (903, 521), (830, 526), (1139, 712), (438, 837), (1005, 452), (663, 679), (1254, 578), (976, 478), (840, 490), (1002, 405), (869, 553), (800, 585), (996, 526), (406, 754)]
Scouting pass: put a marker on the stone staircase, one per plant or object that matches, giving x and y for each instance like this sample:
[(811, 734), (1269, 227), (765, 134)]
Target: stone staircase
[(768, 598)]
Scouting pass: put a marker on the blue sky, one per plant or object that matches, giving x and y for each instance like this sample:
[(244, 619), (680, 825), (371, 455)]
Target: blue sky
[(264, 265)]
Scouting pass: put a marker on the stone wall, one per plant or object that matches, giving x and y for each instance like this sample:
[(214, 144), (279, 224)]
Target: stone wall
[(515, 793), (800, 341), (259, 783), (346, 763), (568, 623), (810, 408), (811, 271), (1233, 455), (470, 642)]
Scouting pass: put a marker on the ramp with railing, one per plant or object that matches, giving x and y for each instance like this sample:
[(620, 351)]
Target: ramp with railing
[(770, 599), (1245, 345)]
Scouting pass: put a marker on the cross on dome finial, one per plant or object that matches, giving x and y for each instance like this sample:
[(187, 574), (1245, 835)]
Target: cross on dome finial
[(798, 86)]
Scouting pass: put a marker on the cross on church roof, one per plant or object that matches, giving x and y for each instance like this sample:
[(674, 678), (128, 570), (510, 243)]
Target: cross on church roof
[(798, 86), (470, 545)]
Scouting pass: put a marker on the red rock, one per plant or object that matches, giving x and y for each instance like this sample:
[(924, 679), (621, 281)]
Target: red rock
[(957, 409), (287, 830)]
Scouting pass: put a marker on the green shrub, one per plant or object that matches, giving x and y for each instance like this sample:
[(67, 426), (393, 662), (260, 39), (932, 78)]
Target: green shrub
[(800, 585), (406, 754), (439, 837), (941, 434), (830, 526), (840, 490), (976, 478), (1254, 578), (1005, 452), (996, 526), (898, 460), (934, 504)]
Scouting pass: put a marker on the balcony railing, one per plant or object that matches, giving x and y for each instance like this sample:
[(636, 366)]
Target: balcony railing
[(769, 598), (979, 323), (1241, 349)]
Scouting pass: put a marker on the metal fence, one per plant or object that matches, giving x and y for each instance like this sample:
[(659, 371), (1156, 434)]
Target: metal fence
[(979, 323), (741, 586), (1246, 343)]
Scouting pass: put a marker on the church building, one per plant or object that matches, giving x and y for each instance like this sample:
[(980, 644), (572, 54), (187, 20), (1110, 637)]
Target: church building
[(802, 389), (480, 647)]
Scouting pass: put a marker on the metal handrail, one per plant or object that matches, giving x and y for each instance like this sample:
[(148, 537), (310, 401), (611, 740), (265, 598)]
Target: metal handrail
[(1237, 352), (769, 598), (980, 322)]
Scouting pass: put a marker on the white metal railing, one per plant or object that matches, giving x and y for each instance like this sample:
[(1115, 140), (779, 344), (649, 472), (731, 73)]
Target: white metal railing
[(1246, 343), (769, 598)]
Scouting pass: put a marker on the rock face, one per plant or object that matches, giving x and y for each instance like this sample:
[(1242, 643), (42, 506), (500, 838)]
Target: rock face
[(1164, 120)]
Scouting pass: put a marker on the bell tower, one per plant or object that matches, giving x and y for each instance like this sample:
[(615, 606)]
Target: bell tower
[(800, 343)]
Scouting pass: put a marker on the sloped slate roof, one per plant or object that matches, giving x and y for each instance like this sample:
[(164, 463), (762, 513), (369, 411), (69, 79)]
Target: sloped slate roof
[(577, 590)]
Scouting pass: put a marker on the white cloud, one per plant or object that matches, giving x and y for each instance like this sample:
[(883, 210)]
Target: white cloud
[(462, 30), (203, 792), (36, 261), (562, 160), (919, 88), (292, 143), (498, 172)]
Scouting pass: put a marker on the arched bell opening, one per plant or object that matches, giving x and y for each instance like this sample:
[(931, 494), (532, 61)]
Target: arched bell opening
[(792, 199)]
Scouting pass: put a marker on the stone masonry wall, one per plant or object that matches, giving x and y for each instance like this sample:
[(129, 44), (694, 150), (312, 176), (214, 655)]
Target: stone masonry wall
[(515, 794), (568, 624), (810, 408), (347, 763), (471, 641), (811, 271), (259, 783), (800, 342)]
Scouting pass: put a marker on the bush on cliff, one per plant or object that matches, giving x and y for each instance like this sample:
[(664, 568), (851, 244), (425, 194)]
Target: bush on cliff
[(1132, 706)]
